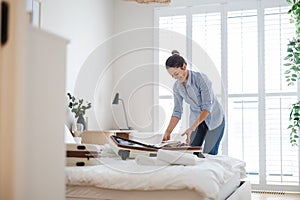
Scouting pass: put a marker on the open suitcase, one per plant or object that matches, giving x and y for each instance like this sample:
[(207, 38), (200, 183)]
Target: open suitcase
[(82, 154), (127, 148)]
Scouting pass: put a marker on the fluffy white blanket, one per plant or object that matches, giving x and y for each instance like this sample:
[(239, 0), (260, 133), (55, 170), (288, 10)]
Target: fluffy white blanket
[(206, 177)]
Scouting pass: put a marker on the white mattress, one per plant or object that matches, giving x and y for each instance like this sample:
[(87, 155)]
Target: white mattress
[(92, 193)]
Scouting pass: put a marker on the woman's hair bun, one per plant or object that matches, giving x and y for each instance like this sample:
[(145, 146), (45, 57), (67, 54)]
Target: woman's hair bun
[(175, 52)]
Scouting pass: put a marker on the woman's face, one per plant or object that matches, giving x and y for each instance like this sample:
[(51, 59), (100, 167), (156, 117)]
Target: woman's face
[(179, 74)]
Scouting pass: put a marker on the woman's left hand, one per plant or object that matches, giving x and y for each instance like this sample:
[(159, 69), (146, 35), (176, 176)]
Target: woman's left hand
[(188, 133)]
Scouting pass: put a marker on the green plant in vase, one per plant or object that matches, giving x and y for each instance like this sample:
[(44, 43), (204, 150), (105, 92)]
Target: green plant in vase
[(78, 107)]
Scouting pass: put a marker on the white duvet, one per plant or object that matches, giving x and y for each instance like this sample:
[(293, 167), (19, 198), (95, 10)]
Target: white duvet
[(206, 177)]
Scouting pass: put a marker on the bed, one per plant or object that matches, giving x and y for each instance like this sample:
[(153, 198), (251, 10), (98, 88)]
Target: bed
[(213, 177)]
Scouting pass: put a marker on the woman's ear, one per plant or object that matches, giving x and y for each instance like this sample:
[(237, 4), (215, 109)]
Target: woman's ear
[(183, 67)]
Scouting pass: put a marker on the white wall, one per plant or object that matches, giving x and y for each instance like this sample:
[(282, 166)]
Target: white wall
[(133, 69), (130, 15), (110, 50), (94, 28), (87, 24)]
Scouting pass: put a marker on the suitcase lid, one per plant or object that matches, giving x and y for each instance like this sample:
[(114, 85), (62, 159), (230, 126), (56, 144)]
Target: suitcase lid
[(131, 144)]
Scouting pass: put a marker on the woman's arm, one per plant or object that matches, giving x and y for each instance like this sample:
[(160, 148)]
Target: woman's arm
[(172, 124), (202, 116)]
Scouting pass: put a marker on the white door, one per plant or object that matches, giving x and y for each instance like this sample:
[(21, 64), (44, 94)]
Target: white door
[(32, 104)]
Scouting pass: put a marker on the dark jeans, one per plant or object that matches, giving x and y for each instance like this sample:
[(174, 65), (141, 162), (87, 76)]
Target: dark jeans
[(212, 138)]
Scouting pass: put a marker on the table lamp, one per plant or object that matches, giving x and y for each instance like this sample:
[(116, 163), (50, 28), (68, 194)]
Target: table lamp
[(116, 102)]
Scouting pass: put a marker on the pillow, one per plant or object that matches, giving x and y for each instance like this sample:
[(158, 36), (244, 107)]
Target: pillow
[(68, 136)]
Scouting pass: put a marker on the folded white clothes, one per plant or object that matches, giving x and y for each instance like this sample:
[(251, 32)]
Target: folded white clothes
[(171, 143), (146, 160), (176, 157)]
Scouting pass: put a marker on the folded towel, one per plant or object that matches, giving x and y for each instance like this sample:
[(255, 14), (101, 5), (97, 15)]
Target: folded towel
[(176, 157), (146, 160)]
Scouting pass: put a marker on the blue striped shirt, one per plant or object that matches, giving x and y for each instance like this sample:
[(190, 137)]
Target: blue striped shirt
[(198, 93)]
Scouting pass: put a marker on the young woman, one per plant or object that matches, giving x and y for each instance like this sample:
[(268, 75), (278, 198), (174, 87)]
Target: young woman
[(207, 120)]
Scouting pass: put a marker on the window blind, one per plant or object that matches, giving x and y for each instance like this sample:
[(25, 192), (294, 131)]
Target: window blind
[(206, 32), (282, 160), (243, 123), (242, 52), (171, 36), (258, 97)]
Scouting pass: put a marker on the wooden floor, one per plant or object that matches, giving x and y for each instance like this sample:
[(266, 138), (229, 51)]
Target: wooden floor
[(279, 196)]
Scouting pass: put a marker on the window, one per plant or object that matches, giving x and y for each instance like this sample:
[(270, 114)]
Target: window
[(206, 31), (282, 161), (172, 37), (246, 44), (243, 97)]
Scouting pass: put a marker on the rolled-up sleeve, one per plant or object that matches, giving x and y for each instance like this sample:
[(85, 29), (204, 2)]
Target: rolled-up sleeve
[(207, 94), (177, 110)]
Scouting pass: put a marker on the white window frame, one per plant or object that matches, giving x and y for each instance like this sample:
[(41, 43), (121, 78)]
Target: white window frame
[(191, 7)]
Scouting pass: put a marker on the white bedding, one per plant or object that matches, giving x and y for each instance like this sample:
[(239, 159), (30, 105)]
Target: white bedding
[(206, 177)]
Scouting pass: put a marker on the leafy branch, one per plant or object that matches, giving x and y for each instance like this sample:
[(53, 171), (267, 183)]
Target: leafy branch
[(293, 64), (295, 123), (292, 74), (78, 106)]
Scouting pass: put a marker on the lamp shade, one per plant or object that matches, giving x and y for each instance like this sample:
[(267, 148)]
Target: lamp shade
[(116, 99)]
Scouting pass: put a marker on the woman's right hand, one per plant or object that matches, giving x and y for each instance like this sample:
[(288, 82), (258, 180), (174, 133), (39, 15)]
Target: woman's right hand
[(166, 136)]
